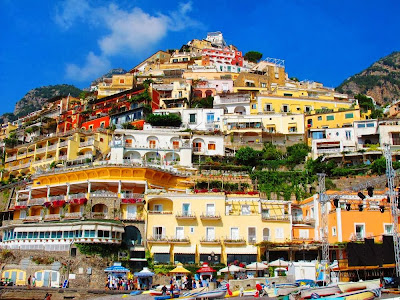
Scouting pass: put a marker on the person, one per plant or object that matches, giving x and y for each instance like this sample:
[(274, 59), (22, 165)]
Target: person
[(47, 296), (171, 291), (258, 288), (164, 290), (29, 281), (33, 281)]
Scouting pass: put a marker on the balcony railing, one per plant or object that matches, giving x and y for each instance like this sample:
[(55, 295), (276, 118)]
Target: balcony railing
[(40, 150), (55, 198), (283, 218), (63, 144), (76, 196), (179, 239), (210, 216), (185, 215), (251, 240), (73, 216), (129, 195), (52, 217), (266, 238), (234, 240), (63, 157), (86, 144), (89, 155), (21, 203), (158, 238), (37, 201), (209, 240), (103, 194), (158, 212), (52, 147), (32, 219)]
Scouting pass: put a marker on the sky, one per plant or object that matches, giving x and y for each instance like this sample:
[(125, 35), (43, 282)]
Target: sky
[(50, 42)]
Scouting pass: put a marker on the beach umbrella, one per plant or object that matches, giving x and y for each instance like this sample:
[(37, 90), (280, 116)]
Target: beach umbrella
[(144, 273), (232, 268), (256, 266), (278, 263), (206, 269), (179, 269)]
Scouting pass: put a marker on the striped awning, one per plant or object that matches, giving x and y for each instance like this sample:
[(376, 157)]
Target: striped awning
[(190, 249), (241, 250), (160, 249), (209, 249)]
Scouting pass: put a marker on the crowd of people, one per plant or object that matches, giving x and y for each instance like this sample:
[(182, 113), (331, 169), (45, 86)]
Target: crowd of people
[(115, 283)]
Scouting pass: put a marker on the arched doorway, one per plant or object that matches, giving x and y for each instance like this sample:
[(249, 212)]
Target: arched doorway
[(132, 236)]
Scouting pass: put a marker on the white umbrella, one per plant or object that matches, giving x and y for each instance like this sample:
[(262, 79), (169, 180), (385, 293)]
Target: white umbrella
[(232, 269), (257, 266), (278, 263)]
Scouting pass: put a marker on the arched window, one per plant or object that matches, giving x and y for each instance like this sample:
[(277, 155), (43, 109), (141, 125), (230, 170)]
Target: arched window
[(266, 236)]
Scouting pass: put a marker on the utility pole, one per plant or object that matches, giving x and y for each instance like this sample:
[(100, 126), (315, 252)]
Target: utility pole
[(393, 205)]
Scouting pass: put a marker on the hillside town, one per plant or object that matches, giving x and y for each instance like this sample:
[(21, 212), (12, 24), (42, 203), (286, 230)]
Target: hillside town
[(201, 154)]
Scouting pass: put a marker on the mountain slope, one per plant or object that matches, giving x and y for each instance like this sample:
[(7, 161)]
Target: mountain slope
[(381, 80), (34, 99)]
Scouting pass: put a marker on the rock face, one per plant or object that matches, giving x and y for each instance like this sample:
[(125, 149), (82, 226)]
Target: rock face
[(34, 99), (381, 80)]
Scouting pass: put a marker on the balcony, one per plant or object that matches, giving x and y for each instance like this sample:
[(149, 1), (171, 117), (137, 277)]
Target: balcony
[(63, 157), (283, 218), (251, 240), (210, 241), (37, 201), (86, 144), (99, 215), (303, 239), (51, 148), (105, 194), (11, 158), (185, 215), (63, 144), (52, 217), (21, 203), (210, 216), (40, 150), (73, 216), (179, 240), (128, 197), (266, 238), (85, 156), (76, 196), (56, 198), (158, 212), (360, 236), (234, 241), (303, 220), (162, 239), (32, 219)]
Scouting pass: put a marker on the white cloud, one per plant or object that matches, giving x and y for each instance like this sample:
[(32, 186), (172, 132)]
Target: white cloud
[(93, 67), (127, 32)]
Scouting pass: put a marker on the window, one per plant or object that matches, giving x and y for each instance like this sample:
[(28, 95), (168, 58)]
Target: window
[(158, 207), (361, 125), (330, 118), (102, 124), (320, 118), (268, 107), (266, 236), (245, 210), (192, 118), (179, 233), (263, 85), (251, 235), (349, 116), (254, 106), (191, 230), (287, 95), (307, 109), (210, 233), (186, 209), (210, 209), (158, 232), (234, 233), (370, 125), (285, 108), (334, 231), (211, 146), (122, 81), (348, 135), (210, 118), (152, 143), (279, 233), (292, 129), (22, 214), (360, 231), (265, 213), (388, 228), (395, 138), (180, 94), (197, 147), (228, 209)]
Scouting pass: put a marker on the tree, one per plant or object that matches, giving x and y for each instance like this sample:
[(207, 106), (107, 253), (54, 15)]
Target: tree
[(247, 156), (253, 56), (173, 120), (297, 154), (270, 152)]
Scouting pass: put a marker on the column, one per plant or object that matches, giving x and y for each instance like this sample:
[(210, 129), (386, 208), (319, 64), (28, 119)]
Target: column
[(68, 189), (89, 187), (29, 194), (48, 192), (339, 224), (119, 187)]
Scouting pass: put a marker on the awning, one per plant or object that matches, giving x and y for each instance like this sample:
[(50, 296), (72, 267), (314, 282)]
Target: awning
[(160, 249), (103, 227), (209, 249), (191, 249), (241, 250), (118, 229), (88, 227)]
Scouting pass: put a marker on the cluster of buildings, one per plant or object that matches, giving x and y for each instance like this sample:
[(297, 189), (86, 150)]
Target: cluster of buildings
[(98, 173)]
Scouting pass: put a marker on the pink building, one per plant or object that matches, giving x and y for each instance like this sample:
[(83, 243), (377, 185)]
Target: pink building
[(223, 56)]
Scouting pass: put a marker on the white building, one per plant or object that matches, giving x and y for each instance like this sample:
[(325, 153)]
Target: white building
[(233, 103), (389, 133), (332, 141), (199, 119), (163, 147)]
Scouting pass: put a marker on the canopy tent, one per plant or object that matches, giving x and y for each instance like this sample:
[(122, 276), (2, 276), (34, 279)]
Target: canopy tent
[(278, 263), (232, 269), (256, 266), (144, 273), (206, 269), (179, 270)]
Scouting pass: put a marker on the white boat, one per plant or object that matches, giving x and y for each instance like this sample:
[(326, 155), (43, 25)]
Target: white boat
[(320, 291), (359, 285)]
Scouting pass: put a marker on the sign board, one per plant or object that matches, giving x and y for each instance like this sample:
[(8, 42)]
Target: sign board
[(71, 276)]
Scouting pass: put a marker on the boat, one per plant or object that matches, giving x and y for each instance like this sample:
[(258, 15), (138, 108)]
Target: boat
[(320, 291), (359, 285), (158, 292), (273, 290), (206, 293), (365, 294), (245, 293), (165, 297)]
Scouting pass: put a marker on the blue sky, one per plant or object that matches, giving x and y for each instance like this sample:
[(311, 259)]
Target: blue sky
[(50, 42)]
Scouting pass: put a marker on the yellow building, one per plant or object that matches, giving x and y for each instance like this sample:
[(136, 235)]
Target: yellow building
[(69, 147), (17, 276), (6, 129), (213, 227), (119, 83)]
